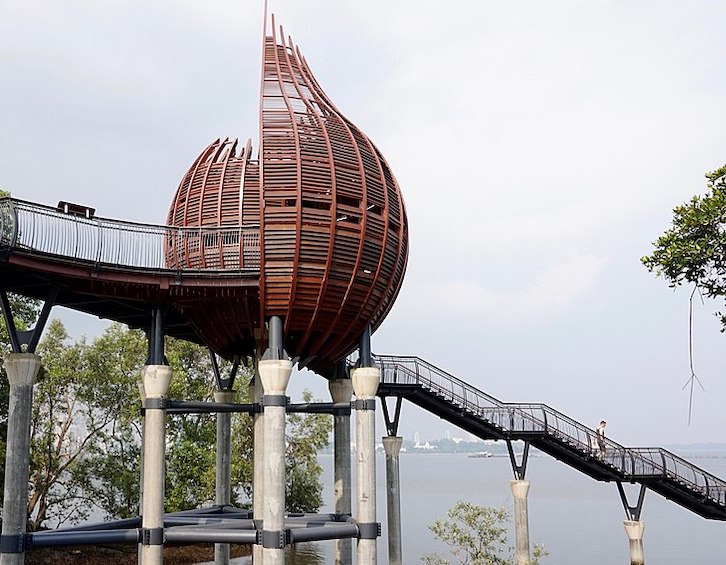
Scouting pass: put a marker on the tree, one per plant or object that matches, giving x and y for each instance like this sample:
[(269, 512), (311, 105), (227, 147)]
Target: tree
[(191, 438), (73, 407), (476, 535), (693, 249), (86, 431), (305, 436), (111, 465)]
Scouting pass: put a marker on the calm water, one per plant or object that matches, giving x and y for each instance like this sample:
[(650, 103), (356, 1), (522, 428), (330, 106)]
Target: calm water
[(578, 519)]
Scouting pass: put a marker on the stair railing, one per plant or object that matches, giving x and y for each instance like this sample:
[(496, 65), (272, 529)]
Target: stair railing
[(532, 419)]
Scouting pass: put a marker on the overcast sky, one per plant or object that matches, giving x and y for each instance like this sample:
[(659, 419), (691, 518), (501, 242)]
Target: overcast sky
[(540, 148)]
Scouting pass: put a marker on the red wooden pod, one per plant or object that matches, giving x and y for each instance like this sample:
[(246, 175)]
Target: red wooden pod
[(333, 228)]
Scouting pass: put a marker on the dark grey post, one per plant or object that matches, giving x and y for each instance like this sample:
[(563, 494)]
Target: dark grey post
[(392, 446), (341, 390), (224, 465), (22, 370)]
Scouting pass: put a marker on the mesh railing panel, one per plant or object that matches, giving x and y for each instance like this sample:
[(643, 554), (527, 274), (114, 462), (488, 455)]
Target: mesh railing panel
[(526, 420), (44, 230)]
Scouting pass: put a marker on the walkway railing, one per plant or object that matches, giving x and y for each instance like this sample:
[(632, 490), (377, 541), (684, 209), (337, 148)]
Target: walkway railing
[(43, 230), (539, 421)]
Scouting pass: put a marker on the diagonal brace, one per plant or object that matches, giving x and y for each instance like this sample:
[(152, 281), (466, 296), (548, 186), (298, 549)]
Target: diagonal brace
[(30, 338), (519, 469), (392, 424), (632, 512)]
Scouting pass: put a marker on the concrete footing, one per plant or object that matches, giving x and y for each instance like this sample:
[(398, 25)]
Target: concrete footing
[(155, 379), (365, 385), (341, 390), (520, 490), (22, 370), (392, 446), (275, 376), (634, 530)]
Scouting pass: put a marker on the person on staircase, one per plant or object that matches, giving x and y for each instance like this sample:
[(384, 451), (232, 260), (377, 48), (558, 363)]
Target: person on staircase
[(600, 431)]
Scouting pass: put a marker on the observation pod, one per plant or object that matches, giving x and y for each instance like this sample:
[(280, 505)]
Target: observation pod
[(319, 212)]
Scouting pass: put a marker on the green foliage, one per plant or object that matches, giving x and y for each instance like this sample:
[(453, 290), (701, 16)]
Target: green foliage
[(110, 469), (693, 249), (62, 425), (476, 535), (86, 432), (305, 435)]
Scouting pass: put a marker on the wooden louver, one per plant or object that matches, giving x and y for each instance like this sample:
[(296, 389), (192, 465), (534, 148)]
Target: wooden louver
[(333, 228)]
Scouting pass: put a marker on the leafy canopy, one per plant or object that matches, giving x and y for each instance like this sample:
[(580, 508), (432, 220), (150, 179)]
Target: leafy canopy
[(693, 249), (86, 432)]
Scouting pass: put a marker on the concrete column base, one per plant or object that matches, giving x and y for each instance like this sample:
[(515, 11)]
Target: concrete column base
[(22, 370), (275, 376), (520, 490), (634, 530), (365, 385), (156, 380)]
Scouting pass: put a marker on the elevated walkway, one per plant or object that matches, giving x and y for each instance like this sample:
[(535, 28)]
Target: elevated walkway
[(552, 432), (200, 277)]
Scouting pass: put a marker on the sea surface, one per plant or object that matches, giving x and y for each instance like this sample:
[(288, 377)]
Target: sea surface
[(577, 519)]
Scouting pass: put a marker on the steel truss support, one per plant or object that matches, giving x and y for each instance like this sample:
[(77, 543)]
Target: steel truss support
[(519, 469), (29, 338), (221, 382), (392, 423), (632, 512), (155, 337)]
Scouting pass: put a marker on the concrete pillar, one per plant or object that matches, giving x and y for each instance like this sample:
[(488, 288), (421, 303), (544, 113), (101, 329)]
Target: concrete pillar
[(22, 370), (258, 458), (365, 385), (156, 379), (341, 390), (392, 445), (223, 478), (520, 489), (275, 376), (634, 530)]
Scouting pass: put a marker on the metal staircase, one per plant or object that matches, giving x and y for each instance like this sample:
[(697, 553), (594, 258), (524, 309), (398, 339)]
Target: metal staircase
[(552, 432)]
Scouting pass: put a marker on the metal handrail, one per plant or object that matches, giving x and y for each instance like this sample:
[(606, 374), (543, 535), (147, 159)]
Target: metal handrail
[(532, 420), (37, 229)]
